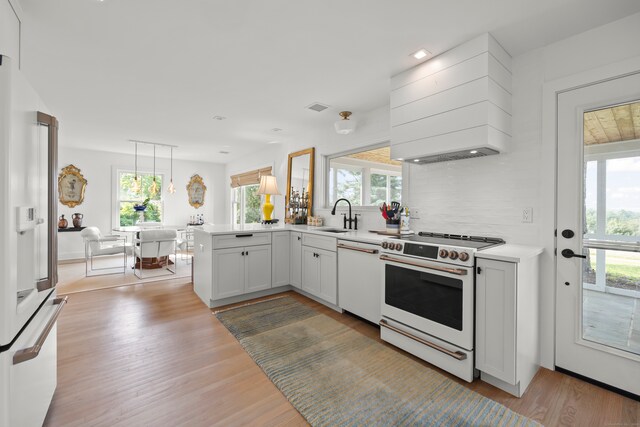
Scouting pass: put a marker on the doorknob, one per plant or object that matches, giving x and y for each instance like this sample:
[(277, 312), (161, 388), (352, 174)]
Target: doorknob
[(568, 253), (567, 234)]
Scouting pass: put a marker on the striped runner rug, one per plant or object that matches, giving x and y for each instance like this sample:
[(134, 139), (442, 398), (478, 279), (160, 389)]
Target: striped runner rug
[(336, 376)]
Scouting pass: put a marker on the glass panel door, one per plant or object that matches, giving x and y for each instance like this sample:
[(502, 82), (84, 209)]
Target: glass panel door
[(611, 212)]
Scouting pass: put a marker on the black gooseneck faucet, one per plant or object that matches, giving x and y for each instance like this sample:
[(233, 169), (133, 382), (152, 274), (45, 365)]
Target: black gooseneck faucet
[(349, 220)]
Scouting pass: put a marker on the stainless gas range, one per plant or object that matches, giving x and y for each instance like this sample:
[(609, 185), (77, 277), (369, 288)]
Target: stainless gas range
[(428, 297)]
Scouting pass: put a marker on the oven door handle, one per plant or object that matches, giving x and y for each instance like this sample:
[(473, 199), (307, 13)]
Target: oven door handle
[(458, 355), (456, 271)]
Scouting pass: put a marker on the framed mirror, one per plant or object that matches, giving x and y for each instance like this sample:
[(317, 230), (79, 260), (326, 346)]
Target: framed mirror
[(299, 199), (196, 191)]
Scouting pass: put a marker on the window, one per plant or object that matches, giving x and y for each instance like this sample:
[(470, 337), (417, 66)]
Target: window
[(127, 198), (366, 177), (245, 203)]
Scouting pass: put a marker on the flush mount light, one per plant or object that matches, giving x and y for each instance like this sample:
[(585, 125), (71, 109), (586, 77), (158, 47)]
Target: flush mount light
[(473, 152), (422, 53), (345, 126), (218, 117)]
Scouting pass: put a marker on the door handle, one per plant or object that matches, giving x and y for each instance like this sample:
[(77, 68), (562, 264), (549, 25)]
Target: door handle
[(568, 253)]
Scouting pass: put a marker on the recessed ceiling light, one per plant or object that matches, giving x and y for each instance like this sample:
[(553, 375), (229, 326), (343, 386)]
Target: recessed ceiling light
[(400, 158), (422, 53), (473, 152), (223, 152), (219, 117), (276, 130), (416, 160), (273, 142)]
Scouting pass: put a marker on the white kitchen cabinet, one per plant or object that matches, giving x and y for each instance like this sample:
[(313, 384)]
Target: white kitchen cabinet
[(257, 268), (280, 271), (506, 320), (319, 275), (241, 270), (228, 272), (295, 265)]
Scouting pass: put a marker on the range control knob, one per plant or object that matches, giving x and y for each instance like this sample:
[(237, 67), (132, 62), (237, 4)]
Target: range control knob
[(398, 246), (453, 255), (443, 253), (384, 245), (464, 256)]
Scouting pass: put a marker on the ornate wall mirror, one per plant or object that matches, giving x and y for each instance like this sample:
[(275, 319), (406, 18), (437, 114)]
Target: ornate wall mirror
[(299, 200), (196, 191), (71, 186)]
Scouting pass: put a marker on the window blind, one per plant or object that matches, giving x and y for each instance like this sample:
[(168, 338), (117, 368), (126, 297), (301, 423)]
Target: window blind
[(249, 178)]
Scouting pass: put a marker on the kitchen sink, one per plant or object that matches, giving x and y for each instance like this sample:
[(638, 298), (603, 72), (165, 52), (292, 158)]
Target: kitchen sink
[(333, 230)]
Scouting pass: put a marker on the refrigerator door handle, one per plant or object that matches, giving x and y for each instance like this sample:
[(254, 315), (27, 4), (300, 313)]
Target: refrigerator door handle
[(33, 351)]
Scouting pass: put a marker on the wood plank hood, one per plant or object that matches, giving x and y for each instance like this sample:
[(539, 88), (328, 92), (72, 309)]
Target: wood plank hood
[(454, 106)]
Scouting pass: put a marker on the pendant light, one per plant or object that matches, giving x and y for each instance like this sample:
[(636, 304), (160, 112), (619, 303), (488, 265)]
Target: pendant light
[(153, 189), (135, 187), (345, 126), (171, 189)]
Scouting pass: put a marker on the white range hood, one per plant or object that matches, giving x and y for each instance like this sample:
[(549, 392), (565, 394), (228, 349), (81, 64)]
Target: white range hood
[(455, 106)]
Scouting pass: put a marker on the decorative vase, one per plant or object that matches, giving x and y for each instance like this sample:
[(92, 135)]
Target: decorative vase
[(62, 222), (77, 220), (139, 208)]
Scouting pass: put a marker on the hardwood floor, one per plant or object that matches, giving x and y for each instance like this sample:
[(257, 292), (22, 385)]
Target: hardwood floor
[(153, 354)]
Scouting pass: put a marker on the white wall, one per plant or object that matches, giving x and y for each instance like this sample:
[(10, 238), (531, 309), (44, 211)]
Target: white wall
[(373, 127), (485, 196), (98, 168)]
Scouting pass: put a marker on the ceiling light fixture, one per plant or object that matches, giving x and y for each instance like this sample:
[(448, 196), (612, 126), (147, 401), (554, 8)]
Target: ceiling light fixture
[(345, 126), (422, 53), (135, 187), (171, 188), (416, 160), (153, 188), (473, 152), (276, 130), (218, 117)]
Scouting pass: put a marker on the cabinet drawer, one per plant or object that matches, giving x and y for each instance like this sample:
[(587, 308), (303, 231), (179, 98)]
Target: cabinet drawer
[(239, 240), (320, 242)]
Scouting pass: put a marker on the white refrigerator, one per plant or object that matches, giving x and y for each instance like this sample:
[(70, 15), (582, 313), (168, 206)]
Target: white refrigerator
[(29, 307)]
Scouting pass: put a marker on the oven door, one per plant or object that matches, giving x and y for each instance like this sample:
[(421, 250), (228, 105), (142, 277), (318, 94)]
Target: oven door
[(432, 297)]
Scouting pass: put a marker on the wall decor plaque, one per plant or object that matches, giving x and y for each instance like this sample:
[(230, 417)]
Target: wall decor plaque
[(196, 191), (71, 186)]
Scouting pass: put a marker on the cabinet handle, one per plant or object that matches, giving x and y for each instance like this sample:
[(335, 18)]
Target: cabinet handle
[(242, 253), (354, 248), (244, 235), (299, 238), (479, 270)]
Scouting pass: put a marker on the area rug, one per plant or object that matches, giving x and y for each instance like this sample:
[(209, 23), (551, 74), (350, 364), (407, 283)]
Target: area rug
[(336, 376)]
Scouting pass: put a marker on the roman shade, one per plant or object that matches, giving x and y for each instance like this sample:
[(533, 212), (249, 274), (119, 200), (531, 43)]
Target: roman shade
[(249, 178)]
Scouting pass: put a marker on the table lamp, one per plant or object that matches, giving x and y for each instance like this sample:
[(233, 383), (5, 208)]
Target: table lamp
[(268, 187)]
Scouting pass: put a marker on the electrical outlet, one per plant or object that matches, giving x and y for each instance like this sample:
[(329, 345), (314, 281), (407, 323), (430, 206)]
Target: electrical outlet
[(527, 215), (414, 213)]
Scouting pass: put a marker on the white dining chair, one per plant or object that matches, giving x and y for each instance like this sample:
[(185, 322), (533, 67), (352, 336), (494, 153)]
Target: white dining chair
[(158, 245), (97, 245)]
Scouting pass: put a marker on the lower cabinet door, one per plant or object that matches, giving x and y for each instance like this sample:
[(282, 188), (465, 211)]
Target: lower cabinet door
[(496, 319), (258, 267), (228, 272), (328, 276), (280, 256), (311, 270), (295, 266)]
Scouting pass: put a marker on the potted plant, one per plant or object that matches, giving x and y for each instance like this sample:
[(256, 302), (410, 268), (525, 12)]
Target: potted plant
[(142, 206)]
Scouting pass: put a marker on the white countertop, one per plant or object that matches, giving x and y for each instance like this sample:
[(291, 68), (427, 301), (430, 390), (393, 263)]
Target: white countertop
[(359, 235), (510, 253)]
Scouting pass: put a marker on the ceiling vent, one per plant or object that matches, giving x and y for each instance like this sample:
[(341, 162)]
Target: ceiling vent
[(317, 107)]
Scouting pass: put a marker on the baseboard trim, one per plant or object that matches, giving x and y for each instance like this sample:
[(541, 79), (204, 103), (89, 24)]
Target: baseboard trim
[(599, 384)]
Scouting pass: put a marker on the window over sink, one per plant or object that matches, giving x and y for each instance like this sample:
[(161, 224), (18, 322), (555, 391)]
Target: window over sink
[(366, 176)]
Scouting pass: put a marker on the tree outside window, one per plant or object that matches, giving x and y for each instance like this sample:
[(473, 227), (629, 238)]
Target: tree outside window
[(246, 205), (127, 198)]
